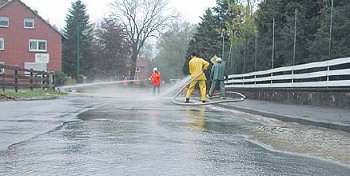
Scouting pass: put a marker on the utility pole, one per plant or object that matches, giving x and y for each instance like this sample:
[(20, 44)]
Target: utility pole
[(223, 43), (330, 31), (295, 35), (78, 50), (256, 50), (273, 42)]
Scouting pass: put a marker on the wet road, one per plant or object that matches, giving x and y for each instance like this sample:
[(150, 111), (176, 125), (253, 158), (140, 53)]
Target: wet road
[(144, 136)]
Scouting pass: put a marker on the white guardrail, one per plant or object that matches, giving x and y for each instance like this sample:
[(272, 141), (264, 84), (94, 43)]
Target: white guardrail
[(311, 75)]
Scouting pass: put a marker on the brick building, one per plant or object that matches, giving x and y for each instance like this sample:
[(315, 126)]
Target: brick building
[(27, 40), (143, 68)]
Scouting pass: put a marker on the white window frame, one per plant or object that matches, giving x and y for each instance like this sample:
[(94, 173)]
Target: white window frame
[(5, 18), (138, 69), (2, 70), (2, 40), (28, 20), (37, 45)]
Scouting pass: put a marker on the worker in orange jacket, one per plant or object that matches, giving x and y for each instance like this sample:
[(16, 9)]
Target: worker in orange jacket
[(155, 81)]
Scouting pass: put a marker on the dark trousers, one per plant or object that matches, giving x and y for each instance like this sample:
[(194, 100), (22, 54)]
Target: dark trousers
[(156, 90)]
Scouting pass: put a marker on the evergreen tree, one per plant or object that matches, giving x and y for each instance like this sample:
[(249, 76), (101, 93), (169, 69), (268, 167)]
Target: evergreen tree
[(211, 32), (206, 41), (340, 41), (78, 37), (284, 12)]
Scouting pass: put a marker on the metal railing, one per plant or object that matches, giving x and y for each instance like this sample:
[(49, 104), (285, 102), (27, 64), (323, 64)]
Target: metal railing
[(326, 74)]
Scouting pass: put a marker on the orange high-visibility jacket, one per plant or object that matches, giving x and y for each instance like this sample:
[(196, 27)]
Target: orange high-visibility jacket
[(155, 78)]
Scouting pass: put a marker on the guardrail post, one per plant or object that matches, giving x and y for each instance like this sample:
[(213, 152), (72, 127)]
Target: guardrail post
[(16, 79), (255, 79), (271, 78), (327, 83), (327, 74), (31, 80)]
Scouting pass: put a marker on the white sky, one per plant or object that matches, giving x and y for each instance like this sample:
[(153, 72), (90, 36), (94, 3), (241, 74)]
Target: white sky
[(56, 10)]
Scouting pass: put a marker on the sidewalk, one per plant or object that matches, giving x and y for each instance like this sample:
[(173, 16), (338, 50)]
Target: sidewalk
[(332, 118)]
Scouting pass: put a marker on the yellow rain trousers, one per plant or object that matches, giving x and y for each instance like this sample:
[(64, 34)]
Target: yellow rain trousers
[(196, 65)]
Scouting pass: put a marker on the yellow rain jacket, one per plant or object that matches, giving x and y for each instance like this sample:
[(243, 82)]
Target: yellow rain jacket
[(195, 65)]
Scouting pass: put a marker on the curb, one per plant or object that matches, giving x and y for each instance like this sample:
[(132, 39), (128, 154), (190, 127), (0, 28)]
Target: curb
[(284, 118)]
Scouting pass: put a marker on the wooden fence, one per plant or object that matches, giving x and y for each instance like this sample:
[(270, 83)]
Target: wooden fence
[(15, 78), (327, 74)]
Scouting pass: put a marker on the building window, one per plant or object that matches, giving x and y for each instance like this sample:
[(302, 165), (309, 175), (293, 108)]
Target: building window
[(29, 23), (38, 45), (138, 69), (2, 43), (4, 21), (2, 70)]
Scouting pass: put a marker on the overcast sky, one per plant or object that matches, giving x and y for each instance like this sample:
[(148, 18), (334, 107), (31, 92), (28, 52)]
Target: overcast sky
[(56, 10)]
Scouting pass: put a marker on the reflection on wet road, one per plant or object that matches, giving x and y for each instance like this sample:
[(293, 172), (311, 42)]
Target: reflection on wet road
[(154, 137)]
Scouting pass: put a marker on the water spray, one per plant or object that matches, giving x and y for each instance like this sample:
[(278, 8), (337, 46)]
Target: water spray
[(242, 97)]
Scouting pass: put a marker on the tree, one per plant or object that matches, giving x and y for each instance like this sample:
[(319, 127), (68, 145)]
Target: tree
[(142, 19), (77, 45), (306, 14), (241, 30), (172, 47), (340, 40), (2, 2), (206, 42), (211, 32), (112, 49)]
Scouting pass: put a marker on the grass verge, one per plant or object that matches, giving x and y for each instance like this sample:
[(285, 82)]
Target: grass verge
[(28, 94)]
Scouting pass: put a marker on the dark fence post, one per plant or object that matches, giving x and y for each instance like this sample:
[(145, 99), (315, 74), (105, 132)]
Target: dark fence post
[(3, 84), (52, 80), (31, 80), (16, 78), (3, 80), (43, 80), (47, 85)]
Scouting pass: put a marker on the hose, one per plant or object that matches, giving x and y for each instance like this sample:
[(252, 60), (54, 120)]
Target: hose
[(242, 97)]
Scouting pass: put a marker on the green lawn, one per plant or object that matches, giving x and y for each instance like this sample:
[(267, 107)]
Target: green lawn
[(38, 93)]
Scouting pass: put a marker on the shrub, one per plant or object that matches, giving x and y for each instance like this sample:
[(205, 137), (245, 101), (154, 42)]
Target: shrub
[(60, 78)]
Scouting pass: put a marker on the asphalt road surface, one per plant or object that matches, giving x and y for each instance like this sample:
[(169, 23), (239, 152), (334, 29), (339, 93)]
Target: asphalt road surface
[(134, 134)]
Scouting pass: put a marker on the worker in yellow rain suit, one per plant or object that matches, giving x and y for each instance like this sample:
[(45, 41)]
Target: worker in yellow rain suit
[(197, 66)]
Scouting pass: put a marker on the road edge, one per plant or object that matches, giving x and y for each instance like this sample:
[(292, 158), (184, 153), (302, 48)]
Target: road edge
[(285, 118)]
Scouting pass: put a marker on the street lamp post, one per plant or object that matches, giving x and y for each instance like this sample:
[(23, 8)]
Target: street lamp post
[(223, 44), (79, 34), (78, 50)]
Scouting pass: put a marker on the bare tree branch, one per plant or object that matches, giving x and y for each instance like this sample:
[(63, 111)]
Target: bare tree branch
[(142, 19)]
